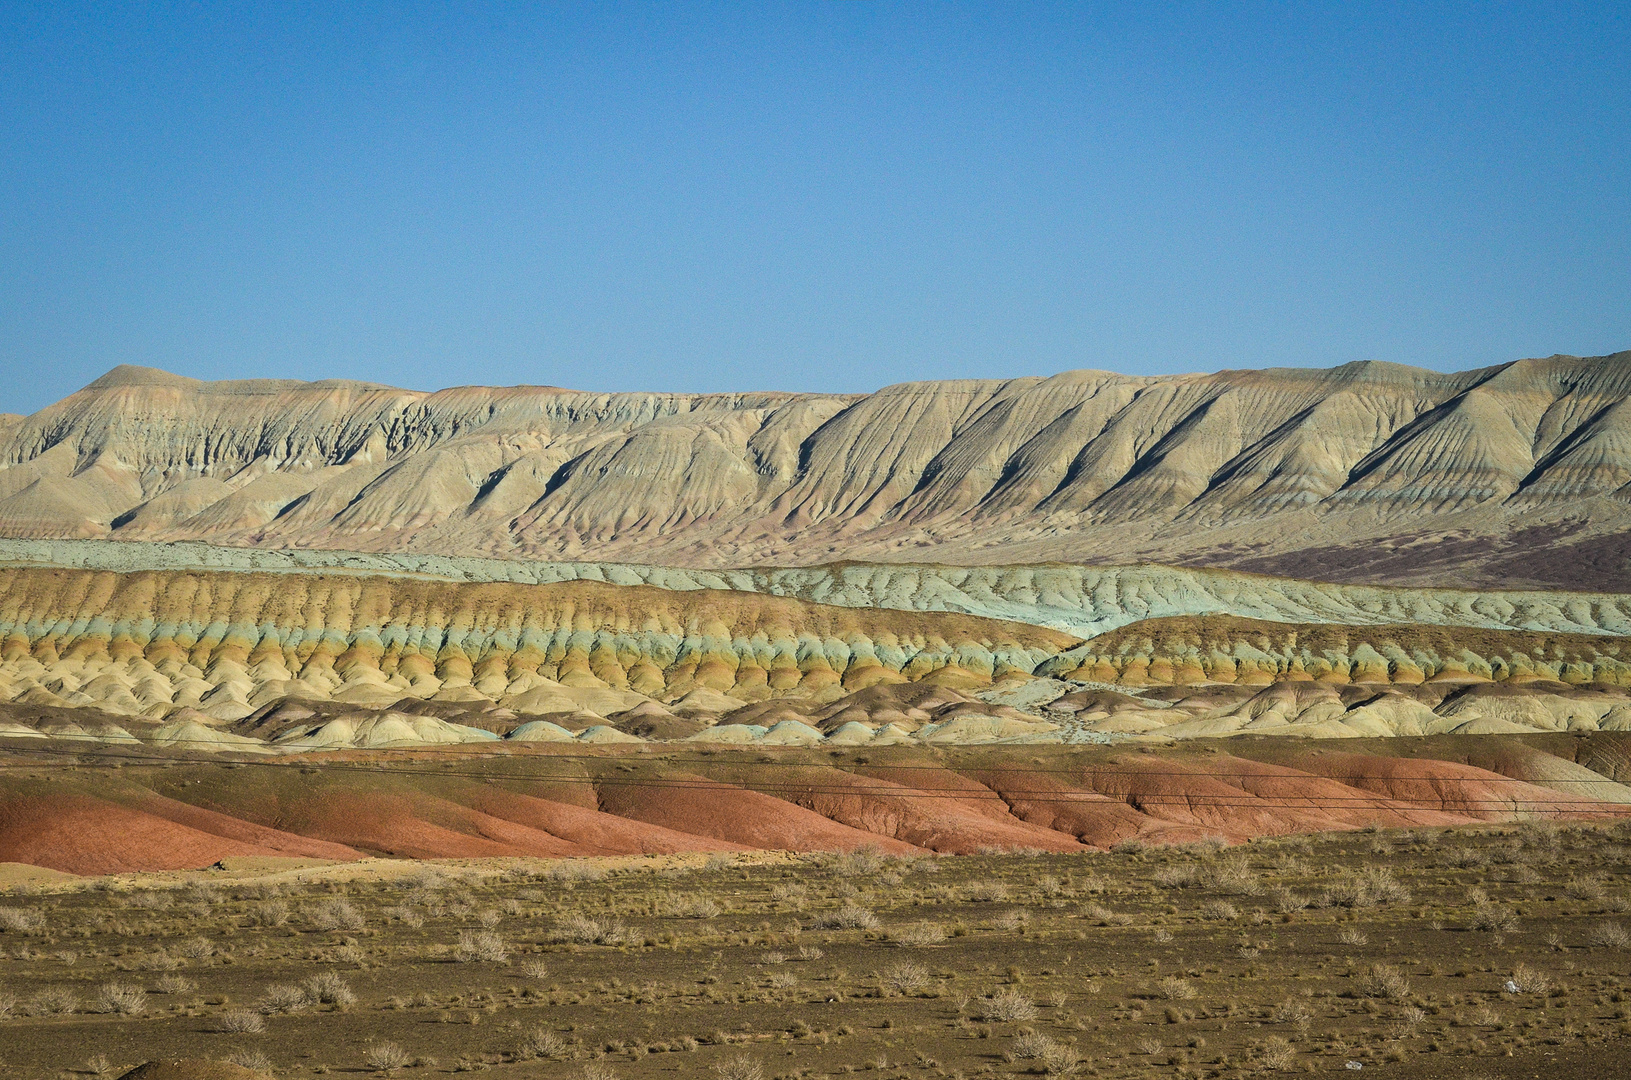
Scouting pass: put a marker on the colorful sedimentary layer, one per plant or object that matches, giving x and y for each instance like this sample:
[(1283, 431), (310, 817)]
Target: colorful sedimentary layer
[(1223, 649), (223, 644), (544, 802)]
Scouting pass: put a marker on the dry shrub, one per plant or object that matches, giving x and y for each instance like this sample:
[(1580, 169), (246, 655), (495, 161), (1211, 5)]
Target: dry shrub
[(1528, 980), (578, 929), (121, 999), (1175, 989), (1105, 917), (386, 1057), (1492, 917), (1370, 887), (1219, 911), (1006, 1005), (544, 1043), (986, 892), (1609, 935), (848, 917), (695, 907), (858, 862), (335, 915), (739, 1068), (1277, 1055), (282, 998), (271, 913), (21, 921), (1385, 981), (909, 978), (480, 945), (329, 989), (923, 933), (1292, 1011), (1234, 876), (253, 1060), (52, 1001), (1287, 902), (571, 873), (1055, 1058), (1352, 935), (240, 1022), (194, 948)]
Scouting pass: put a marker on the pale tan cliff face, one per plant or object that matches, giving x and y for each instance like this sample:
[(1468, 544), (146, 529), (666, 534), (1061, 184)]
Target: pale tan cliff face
[(1363, 472)]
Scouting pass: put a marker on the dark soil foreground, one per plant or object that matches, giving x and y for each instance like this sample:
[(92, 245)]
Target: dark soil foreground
[(1494, 951)]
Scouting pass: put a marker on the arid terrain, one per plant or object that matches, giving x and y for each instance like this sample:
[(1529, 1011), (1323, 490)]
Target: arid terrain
[(1413, 953), (1200, 726), (1369, 472)]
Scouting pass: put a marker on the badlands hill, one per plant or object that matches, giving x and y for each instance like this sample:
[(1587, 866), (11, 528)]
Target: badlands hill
[(1511, 475)]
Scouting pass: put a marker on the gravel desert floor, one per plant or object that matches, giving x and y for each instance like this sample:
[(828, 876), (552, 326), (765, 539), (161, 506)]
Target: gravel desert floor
[(1475, 952)]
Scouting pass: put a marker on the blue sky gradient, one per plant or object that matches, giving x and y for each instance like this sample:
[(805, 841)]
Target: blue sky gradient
[(830, 197)]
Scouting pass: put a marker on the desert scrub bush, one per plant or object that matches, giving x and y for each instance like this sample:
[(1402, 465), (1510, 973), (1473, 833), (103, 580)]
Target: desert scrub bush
[(271, 913), (240, 1022), (1385, 981), (1609, 935), (1234, 876), (194, 948), (848, 917), (403, 914), (1219, 911), (1528, 980), (1287, 902), (741, 1067), (858, 862), (1104, 916), (386, 1057), (480, 945), (1053, 1057), (1006, 1006), (543, 1043), (338, 914), (52, 1001), (120, 998), (1277, 1055), (695, 907), (1173, 988), (581, 929), (909, 979), (253, 1060), (986, 892), (535, 969), (21, 921), (8, 1006), (329, 989), (1292, 1011), (1491, 916), (283, 998), (923, 933), (1369, 887), (570, 873), (1350, 934), (487, 918)]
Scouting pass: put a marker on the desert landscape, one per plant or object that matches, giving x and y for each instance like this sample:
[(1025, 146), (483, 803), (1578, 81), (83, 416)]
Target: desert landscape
[(956, 730)]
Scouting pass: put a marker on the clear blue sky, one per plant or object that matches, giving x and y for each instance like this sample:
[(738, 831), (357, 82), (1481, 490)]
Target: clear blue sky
[(828, 196)]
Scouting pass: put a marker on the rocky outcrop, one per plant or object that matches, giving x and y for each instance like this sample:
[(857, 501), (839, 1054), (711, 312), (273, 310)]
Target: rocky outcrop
[(1517, 473)]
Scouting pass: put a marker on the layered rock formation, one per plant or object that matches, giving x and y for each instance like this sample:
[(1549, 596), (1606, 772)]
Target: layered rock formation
[(1511, 474), (1080, 600), (550, 804), (245, 661)]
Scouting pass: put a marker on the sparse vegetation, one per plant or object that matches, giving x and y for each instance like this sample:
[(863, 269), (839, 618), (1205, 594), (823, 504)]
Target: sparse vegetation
[(1197, 960)]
